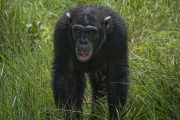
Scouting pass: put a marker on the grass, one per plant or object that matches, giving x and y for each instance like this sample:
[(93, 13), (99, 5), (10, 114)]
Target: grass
[(26, 35)]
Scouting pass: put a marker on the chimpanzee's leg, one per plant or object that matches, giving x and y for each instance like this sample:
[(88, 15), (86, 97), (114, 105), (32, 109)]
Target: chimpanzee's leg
[(117, 93), (68, 92), (98, 81)]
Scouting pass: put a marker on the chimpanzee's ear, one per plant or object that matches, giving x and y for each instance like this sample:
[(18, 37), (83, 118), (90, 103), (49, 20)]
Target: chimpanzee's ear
[(107, 22), (68, 16)]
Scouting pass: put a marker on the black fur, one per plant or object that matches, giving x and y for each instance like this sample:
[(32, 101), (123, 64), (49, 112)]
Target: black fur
[(107, 68)]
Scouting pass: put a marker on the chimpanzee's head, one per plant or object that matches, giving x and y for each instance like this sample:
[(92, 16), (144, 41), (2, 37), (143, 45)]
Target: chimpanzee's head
[(87, 32)]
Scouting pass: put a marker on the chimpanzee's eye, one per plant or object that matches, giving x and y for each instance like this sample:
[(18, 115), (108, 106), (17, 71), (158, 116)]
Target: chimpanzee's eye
[(77, 30), (91, 32)]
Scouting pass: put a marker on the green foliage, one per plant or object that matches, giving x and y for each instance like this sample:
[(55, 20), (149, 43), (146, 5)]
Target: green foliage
[(26, 34)]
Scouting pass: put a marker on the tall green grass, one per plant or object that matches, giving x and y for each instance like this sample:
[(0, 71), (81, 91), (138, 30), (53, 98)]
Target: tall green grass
[(26, 52)]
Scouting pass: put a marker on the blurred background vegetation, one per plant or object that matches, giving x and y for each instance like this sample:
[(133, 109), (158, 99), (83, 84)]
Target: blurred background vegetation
[(26, 53)]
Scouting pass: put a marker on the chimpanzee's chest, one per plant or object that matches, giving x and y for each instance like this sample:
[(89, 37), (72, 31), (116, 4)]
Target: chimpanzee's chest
[(90, 67)]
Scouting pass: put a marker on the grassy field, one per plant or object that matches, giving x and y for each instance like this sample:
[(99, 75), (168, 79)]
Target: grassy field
[(26, 36)]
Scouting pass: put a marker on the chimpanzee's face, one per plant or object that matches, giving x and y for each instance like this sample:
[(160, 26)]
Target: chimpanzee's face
[(88, 34), (85, 39)]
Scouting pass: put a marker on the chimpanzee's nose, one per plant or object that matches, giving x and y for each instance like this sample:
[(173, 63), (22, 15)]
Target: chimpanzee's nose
[(83, 41)]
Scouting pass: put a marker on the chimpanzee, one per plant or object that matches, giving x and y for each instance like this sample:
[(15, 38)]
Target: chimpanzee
[(93, 40)]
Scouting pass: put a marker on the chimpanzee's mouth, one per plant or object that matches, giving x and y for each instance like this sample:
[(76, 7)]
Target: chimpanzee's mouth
[(83, 56)]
